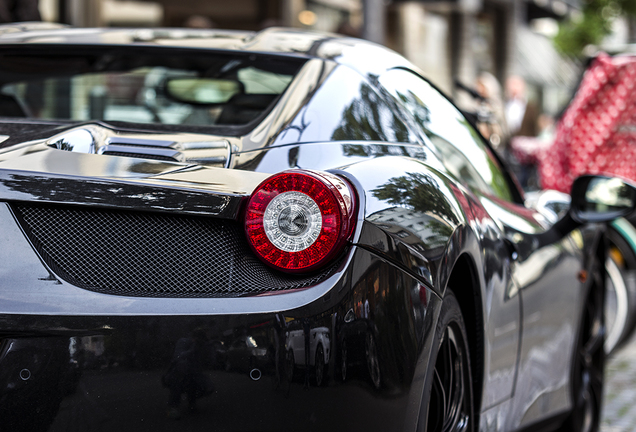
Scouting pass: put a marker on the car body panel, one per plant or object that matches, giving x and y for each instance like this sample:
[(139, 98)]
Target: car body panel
[(135, 183), (113, 361), (379, 234), (356, 112), (131, 352)]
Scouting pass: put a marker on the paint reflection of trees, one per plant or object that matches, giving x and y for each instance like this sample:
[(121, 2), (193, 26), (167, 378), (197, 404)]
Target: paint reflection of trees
[(419, 191), (418, 109), (375, 150), (370, 118), (449, 134), (61, 145)]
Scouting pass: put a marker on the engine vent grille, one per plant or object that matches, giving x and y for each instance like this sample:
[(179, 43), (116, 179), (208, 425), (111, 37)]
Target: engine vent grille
[(175, 147), (140, 155), (151, 255)]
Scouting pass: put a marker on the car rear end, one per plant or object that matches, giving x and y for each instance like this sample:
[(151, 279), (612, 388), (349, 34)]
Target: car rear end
[(143, 282)]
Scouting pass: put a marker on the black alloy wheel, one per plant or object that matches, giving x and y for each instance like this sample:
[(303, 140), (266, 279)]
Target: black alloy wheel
[(588, 366), (320, 366), (450, 401)]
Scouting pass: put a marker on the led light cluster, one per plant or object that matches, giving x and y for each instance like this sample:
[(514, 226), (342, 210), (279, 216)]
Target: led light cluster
[(298, 220)]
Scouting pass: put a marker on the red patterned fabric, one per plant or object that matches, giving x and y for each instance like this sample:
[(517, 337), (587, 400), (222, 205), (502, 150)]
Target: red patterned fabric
[(597, 133)]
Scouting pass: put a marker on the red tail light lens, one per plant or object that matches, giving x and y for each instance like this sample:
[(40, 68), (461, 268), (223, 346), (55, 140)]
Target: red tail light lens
[(298, 220)]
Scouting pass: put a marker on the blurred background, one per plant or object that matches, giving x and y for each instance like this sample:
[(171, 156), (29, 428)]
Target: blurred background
[(543, 41)]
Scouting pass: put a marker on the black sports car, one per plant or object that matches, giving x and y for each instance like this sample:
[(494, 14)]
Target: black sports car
[(170, 196)]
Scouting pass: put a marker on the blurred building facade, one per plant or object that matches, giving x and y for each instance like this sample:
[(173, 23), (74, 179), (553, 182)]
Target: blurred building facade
[(447, 39)]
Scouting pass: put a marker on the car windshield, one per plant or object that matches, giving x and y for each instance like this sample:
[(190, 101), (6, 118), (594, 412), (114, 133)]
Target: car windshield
[(156, 86)]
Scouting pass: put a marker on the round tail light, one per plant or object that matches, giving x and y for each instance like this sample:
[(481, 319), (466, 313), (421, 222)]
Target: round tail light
[(299, 220)]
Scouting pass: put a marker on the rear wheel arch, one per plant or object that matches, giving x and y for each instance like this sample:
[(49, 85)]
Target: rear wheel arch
[(464, 283), (449, 405)]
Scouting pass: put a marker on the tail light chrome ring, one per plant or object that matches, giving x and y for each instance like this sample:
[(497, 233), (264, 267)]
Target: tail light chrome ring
[(298, 220)]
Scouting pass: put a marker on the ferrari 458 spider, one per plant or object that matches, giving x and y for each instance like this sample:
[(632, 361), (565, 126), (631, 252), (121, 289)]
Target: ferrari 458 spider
[(277, 231)]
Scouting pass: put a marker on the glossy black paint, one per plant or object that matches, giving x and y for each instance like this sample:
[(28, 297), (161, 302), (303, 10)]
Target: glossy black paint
[(129, 183), (117, 362), (78, 360)]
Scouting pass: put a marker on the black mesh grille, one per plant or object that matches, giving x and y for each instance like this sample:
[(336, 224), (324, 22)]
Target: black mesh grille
[(151, 255)]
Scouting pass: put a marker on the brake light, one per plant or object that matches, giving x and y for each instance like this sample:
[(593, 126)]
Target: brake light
[(298, 220)]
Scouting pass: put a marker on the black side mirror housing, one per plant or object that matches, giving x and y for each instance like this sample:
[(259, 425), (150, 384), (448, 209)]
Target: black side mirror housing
[(601, 199), (595, 199)]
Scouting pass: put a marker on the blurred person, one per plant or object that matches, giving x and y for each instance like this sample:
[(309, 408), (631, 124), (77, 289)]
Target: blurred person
[(528, 151), (493, 126), (545, 125), (522, 118), (521, 114)]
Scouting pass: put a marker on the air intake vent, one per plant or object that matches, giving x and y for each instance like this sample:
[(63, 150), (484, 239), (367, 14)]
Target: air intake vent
[(141, 155), (182, 147), (151, 255)]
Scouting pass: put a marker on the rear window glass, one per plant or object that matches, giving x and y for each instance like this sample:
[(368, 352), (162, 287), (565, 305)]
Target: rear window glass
[(149, 86)]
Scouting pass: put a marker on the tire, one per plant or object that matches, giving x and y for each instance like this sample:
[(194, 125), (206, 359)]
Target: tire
[(620, 296), (615, 306), (449, 405), (320, 366), (587, 367)]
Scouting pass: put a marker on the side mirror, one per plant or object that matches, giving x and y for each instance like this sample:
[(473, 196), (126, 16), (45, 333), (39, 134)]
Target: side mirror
[(594, 199), (601, 199)]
